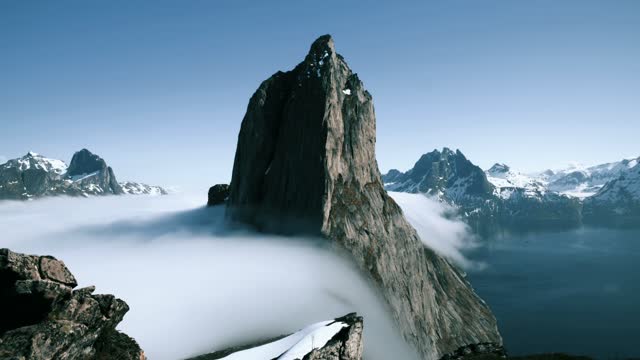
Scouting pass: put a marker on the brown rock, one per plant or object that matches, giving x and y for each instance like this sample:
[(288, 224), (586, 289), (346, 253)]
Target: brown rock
[(305, 162), (55, 270), (42, 318)]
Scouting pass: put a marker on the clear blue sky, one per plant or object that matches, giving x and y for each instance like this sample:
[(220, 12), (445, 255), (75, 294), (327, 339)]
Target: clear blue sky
[(158, 88)]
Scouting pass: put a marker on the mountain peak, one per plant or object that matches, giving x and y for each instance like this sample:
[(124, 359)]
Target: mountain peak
[(315, 172), (31, 154), (498, 168), (85, 162), (322, 44)]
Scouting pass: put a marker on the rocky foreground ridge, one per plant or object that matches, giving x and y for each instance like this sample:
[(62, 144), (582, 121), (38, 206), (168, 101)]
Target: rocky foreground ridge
[(33, 176), (305, 162), (43, 317)]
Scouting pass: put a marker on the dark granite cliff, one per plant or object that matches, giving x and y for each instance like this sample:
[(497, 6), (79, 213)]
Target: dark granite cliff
[(305, 162)]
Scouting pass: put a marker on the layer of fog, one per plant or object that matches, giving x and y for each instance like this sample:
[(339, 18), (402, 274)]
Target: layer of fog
[(439, 228), (192, 286)]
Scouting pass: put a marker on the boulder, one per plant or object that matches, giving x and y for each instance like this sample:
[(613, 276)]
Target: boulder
[(305, 163), (218, 194), (44, 318)]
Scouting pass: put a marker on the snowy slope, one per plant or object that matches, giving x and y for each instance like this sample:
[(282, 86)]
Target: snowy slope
[(133, 188), (618, 201), (584, 181), (508, 182)]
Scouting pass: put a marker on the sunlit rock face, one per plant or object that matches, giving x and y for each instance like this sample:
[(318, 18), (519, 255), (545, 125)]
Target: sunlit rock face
[(305, 162)]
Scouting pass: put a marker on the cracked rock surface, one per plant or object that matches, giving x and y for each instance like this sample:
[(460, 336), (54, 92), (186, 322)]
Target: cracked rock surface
[(305, 163), (43, 317)]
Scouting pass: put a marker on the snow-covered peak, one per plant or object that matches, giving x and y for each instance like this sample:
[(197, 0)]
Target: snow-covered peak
[(507, 180), (498, 170), (34, 160)]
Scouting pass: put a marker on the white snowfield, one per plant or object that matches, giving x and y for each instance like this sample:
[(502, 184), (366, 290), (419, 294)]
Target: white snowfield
[(294, 346), (623, 189), (507, 181), (576, 181), (133, 188)]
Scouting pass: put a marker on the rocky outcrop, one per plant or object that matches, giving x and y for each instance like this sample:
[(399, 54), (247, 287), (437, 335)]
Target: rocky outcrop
[(305, 162), (347, 344), (218, 194), (34, 176), (43, 317), (338, 339)]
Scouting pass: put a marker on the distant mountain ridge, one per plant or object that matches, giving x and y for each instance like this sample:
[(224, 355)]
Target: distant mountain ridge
[(503, 196), (34, 175)]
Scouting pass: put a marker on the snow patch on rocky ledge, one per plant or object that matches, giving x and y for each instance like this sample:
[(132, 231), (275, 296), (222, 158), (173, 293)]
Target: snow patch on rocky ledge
[(294, 346)]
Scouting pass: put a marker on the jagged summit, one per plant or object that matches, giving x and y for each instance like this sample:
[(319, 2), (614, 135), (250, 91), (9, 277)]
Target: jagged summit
[(322, 44), (86, 162), (305, 161), (443, 174)]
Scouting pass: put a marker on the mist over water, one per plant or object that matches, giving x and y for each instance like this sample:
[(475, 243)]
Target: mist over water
[(192, 285), (439, 228)]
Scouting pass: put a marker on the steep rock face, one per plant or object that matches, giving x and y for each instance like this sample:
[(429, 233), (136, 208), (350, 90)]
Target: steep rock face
[(89, 168), (44, 318), (305, 161)]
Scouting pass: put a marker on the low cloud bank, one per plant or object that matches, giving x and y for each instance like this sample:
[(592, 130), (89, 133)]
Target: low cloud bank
[(192, 286), (438, 228)]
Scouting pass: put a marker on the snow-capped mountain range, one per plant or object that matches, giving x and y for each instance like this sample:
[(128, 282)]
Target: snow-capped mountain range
[(34, 175), (575, 181), (504, 195)]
